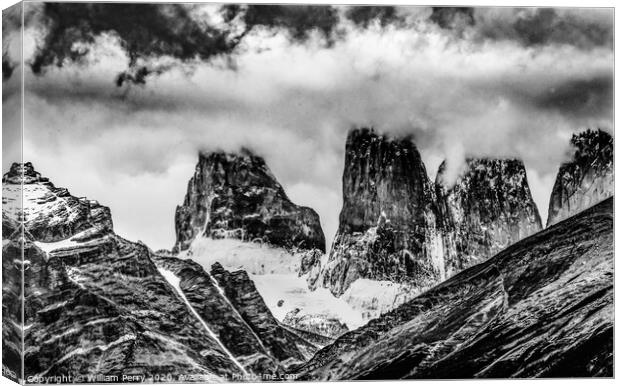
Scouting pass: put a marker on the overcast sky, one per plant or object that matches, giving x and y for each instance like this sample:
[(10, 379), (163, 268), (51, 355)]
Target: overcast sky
[(117, 109)]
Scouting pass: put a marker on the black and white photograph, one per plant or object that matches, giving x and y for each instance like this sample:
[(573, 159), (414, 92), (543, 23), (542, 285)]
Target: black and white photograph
[(232, 192)]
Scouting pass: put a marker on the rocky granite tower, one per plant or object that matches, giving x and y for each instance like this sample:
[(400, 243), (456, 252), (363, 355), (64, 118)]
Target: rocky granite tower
[(489, 207), (397, 225), (387, 225), (586, 179), (237, 196)]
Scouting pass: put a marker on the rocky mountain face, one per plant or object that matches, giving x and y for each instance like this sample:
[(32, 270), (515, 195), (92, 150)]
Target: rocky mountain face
[(586, 179), (396, 225), (50, 213), (11, 299), (487, 208), (284, 343), (101, 306), (388, 218), (237, 196), (542, 307), (234, 310), (237, 214)]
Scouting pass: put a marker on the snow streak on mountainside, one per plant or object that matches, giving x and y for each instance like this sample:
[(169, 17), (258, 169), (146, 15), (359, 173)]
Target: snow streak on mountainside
[(230, 308), (540, 308), (175, 283), (96, 303), (586, 179)]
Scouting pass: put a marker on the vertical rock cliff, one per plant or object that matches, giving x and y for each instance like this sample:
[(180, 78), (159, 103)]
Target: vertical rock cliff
[(388, 217), (586, 179), (237, 196), (489, 207)]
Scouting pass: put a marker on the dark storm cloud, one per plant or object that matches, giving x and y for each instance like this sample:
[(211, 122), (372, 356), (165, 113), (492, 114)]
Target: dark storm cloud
[(580, 27), (363, 16), (452, 17), (145, 31), (579, 97), (298, 20), (149, 31), (583, 28)]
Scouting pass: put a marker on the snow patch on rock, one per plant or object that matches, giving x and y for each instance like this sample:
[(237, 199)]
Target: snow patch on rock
[(175, 282)]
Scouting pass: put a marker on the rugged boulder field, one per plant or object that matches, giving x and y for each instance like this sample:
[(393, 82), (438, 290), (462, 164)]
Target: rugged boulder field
[(543, 307)]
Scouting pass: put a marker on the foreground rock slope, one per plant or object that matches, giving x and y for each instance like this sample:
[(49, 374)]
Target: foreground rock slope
[(543, 307)]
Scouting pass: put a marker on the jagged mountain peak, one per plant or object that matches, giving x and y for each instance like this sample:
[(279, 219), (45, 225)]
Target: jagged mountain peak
[(369, 132), (482, 169), (379, 171), (587, 178), (487, 208), (368, 142), (387, 214), (593, 144), (242, 168), (22, 173), (49, 213), (397, 225), (120, 303), (235, 195)]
